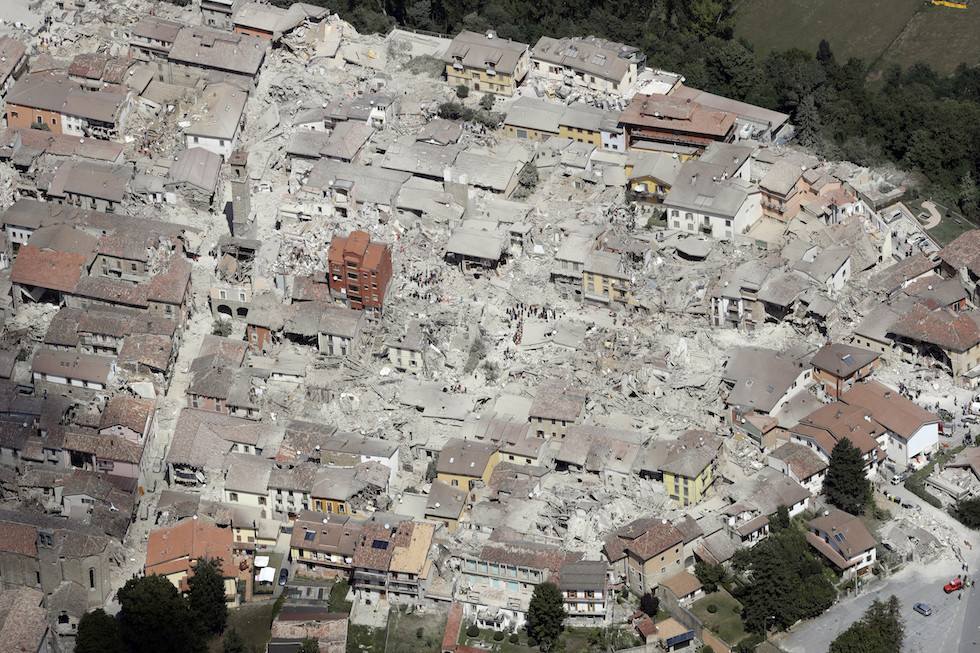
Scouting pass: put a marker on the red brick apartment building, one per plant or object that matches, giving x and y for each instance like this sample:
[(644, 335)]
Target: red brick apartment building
[(360, 271)]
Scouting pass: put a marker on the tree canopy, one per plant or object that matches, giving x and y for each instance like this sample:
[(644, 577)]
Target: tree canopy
[(846, 485), (98, 632), (786, 583), (546, 613), (880, 630), (155, 619), (206, 595), (967, 511)]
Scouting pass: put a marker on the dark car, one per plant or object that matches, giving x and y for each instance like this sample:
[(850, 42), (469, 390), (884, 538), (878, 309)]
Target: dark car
[(283, 576), (922, 609)]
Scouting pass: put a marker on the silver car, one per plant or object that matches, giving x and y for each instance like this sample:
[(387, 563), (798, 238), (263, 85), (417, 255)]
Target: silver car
[(922, 609)]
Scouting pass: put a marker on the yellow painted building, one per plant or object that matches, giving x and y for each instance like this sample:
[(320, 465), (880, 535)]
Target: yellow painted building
[(604, 280), (581, 135), (483, 62), (463, 462), (688, 470)]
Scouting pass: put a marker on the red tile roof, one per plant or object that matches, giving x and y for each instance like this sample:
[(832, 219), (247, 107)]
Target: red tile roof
[(452, 627), (951, 331), (18, 538), (46, 269)]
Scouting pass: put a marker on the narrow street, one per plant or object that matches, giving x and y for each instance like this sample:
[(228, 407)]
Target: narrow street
[(168, 409)]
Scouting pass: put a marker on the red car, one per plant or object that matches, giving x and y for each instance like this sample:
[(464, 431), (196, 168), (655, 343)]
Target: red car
[(954, 585)]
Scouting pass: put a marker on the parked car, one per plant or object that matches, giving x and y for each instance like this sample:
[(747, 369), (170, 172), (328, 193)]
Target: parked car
[(953, 586), (897, 479), (283, 576), (922, 609), (889, 546)]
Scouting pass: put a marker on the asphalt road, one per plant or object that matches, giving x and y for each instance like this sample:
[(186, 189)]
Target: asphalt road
[(970, 635), (946, 629)]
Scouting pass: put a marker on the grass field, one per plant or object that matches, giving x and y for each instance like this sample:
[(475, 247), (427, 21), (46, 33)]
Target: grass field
[(881, 32), (416, 632), (253, 622), (726, 621)]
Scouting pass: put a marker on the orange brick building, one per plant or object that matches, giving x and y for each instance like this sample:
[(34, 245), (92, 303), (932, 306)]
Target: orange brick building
[(360, 271)]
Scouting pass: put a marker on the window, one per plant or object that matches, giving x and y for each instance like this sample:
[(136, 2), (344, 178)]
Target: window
[(40, 120), (261, 501), (455, 482), (14, 114), (91, 578), (54, 121), (233, 496), (196, 139), (341, 508)]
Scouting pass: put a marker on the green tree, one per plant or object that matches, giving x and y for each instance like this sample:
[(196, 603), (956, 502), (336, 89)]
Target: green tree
[(807, 122), (781, 520), (969, 197), (846, 485), (711, 575), (155, 618), (967, 511), (487, 101), (880, 630), (206, 596), (546, 614), (430, 470), (786, 583), (649, 604), (859, 639), (462, 91), (527, 180), (234, 643), (309, 645), (99, 632), (885, 618)]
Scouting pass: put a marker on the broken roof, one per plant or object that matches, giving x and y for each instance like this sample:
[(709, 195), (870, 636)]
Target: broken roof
[(557, 399), (217, 49), (949, 330), (219, 113), (963, 252), (803, 461), (781, 178), (197, 167)]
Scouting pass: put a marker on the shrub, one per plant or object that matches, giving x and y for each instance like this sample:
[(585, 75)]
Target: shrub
[(473, 630), (499, 636), (712, 608), (515, 638), (221, 328), (462, 91), (531, 642), (706, 649), (419, 632)]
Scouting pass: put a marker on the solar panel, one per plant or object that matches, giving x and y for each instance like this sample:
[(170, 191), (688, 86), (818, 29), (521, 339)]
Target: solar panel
[(379, 544), (309, 536), (839, 537)]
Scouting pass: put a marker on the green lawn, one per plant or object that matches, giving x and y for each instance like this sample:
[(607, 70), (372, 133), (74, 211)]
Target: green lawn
[(417, 632), (881, 32), (576, 640), (253, 622), (365, 638), (939, 36), (726, 622), (854, 28), (338, 597)]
